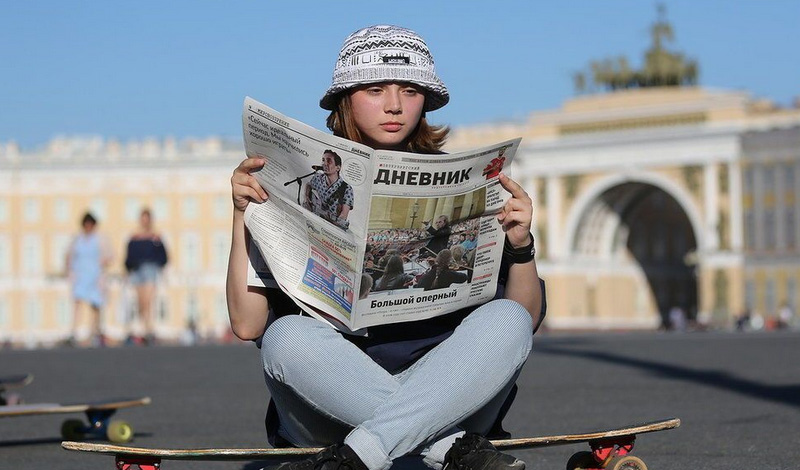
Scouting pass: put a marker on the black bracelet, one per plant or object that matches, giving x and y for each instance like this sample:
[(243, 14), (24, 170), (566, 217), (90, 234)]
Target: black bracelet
[(518, 255)]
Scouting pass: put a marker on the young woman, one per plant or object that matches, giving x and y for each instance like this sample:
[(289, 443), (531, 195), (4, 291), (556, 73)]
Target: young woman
[(432, 387), (145, 258)]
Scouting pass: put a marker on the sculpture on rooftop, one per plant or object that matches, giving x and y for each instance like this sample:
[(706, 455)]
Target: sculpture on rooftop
[(661, 66)]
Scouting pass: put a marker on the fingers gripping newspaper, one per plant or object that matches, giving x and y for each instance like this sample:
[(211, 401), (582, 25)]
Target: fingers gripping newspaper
[(360, 237)]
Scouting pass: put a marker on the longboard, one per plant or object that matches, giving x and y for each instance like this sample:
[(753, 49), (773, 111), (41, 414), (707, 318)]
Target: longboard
[(610, 449), (10, 382), (98, 415)]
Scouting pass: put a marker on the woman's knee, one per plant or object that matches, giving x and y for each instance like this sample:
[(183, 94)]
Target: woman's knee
[(287, 341), (507, 319)]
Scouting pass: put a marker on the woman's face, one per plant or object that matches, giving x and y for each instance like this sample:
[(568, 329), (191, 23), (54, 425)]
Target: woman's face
[(387, 113)]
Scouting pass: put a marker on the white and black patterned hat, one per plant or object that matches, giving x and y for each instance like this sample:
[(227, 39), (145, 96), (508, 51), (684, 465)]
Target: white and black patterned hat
[(385, 53)]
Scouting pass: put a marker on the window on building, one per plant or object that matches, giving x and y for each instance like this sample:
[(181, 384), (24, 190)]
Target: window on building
[(59, 245), (220, 251), (61, 209), (99, 209), (222, 207), (31, 254), (192, 307), (770, 298), (31, 211), (190, 208), (133, 207), (770, 239), (221, 309), (5, 254), (5, 323), (161, 208), (33, 312), (63, 312), (749, 230), (750, 293), (4, 212), (190, 251), (791, 291)]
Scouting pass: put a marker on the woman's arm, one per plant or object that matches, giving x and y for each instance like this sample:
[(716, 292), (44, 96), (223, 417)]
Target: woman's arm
[(523, 279), (248, 308)]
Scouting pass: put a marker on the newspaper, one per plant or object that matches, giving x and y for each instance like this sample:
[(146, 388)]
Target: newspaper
[(360, 237)]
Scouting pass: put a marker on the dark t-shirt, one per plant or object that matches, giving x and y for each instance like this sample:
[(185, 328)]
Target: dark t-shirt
[(397, 346)]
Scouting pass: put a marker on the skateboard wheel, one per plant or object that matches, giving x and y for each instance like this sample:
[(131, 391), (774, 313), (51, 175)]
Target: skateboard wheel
[(119, 432), (73, 430), (626, 462), (581, 460)]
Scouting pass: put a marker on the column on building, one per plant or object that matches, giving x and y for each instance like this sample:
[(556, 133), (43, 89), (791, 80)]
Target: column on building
[(735, 194), (711, 198), (554, 207)]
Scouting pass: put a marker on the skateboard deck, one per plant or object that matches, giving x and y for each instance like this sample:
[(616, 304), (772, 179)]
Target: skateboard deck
[(98, 416), (10, 382), (610, 449)]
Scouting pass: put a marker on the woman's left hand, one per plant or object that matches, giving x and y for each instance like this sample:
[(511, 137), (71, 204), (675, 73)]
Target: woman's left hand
[(517, 213)]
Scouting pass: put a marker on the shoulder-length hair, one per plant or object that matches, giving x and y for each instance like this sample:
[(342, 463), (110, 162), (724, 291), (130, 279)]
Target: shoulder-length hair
[(426, 138)]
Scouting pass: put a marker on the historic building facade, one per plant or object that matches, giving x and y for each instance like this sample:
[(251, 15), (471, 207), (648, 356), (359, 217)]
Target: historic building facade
[(654, 198), (645, 200), (43, 196)]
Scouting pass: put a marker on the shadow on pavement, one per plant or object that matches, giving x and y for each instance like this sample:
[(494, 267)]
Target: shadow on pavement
[(786, 394)]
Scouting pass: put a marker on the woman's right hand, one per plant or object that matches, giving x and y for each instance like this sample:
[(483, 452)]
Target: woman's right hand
[(244, 186)]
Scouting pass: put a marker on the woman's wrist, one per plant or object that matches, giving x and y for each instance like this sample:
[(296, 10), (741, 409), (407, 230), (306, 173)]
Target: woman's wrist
[(519, 255)]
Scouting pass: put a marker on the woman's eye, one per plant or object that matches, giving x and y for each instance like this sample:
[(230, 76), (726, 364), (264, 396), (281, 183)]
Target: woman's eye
[(410, 91), (374, 90)]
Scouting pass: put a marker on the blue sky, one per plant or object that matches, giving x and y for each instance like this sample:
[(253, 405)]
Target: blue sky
[(136, 69)]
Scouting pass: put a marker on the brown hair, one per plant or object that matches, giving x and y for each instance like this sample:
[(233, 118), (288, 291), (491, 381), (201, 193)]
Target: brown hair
[(426, 138)]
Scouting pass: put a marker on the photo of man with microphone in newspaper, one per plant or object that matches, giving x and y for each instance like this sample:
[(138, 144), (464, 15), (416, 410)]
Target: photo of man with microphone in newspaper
[(327, 194)]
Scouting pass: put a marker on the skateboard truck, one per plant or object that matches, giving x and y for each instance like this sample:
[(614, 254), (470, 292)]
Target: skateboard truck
[(607, 454), (131, 462)]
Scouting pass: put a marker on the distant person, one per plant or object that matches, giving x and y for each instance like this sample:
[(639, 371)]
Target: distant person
[(393, 276), (441, 274), (366, 286), (785, 316), (439, 230), (327, 194), (677, 319), (145, 258), (87, 258)]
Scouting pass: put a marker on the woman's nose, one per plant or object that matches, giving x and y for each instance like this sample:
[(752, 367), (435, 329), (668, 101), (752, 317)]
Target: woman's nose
[(393, 104)]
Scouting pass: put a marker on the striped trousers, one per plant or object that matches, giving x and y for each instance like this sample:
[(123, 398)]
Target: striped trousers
[(328, 391)]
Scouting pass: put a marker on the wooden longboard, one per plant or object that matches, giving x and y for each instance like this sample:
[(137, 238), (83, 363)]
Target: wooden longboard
[(150, 458), (15, 381), (10, 382), (98, 417), (57, 408)]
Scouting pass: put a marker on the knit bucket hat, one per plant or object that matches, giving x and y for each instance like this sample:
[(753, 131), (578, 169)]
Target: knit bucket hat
[(384, 53)]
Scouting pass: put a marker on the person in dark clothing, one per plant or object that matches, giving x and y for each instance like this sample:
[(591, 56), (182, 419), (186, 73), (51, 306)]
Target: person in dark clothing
[(440, 233), (441, 275), (393, 275), (145, 258)]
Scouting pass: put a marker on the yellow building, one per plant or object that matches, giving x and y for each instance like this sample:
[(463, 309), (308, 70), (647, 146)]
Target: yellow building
[(44, 194), (645, 199), (653, 198)]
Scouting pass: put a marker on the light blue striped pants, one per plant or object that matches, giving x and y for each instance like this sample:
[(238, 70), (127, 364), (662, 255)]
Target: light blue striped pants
[(327, 390)]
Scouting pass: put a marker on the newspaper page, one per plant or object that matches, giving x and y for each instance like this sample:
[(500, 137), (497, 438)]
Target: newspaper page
[(341, 217)]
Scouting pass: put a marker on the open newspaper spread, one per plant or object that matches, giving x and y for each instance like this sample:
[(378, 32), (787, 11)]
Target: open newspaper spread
[(360, 237)]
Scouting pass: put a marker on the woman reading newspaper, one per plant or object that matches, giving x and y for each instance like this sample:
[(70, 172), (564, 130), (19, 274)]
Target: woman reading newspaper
[(434, 388)]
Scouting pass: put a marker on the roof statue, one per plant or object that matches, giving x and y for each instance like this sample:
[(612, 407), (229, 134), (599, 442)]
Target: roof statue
[(662, 67)]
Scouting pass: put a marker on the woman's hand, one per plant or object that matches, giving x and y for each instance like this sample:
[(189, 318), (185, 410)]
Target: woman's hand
[(517, 213), (244, 186)]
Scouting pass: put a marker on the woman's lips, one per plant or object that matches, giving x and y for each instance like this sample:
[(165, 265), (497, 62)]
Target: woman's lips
[(391, 126)]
